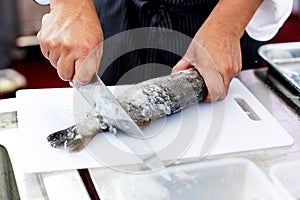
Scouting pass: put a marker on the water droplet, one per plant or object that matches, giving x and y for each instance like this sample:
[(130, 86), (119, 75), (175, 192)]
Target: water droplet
[(70, 135), (145, 112), (114, 130), (167, 110), (105, 120), (103, 126)]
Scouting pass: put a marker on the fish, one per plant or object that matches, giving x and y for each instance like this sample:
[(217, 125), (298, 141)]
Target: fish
[(145, 102)]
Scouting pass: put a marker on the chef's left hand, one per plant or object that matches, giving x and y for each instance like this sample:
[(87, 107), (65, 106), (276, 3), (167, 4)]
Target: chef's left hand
[(215, 50)]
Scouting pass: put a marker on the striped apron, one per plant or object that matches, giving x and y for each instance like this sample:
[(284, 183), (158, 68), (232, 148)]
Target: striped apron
[(125, 62)]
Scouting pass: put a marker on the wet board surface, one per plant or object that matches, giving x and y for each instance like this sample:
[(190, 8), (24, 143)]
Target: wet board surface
[(239, 123)]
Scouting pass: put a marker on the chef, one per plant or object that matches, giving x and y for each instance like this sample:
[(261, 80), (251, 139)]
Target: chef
[(226, 35)]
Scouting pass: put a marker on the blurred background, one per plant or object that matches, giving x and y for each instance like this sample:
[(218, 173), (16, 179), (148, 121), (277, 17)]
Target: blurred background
[(22, 61)]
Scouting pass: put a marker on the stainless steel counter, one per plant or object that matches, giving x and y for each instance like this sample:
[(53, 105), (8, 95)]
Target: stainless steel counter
[(69, 185), (38, 186), (283, 113), (286, 116)]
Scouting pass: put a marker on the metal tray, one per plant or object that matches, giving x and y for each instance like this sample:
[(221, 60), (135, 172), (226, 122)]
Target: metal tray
[(283, 60)]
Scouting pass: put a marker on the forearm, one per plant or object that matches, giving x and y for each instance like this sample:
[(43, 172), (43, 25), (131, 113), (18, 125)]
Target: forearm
[(73, 6), (81, 11), (68, 2), (232, 16)]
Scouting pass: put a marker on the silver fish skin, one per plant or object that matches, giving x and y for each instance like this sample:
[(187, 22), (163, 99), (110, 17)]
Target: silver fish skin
[(163, 96), (144, 102)]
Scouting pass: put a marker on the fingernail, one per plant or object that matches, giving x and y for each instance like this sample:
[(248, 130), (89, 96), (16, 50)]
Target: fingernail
[(75, 83), (71, 83)]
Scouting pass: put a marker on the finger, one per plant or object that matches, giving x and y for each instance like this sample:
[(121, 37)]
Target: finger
[(181, 65), (84, 71), (200, 58), (44, 18), (226, 81), (44, 48), (228, 72), (45, 51), (214, 83), (86, 67), (53, 57), (65, 67), (212, 78)]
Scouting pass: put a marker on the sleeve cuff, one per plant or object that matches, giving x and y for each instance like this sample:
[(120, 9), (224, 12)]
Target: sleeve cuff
[(268, 19), (42, 2)]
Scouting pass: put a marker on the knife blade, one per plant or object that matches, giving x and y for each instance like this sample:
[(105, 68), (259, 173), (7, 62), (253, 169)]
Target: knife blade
[(111, 111), (8, 120)]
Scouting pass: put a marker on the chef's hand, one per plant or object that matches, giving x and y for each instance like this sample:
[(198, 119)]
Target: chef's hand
[(217, 57), (215, 50), (68, 35)]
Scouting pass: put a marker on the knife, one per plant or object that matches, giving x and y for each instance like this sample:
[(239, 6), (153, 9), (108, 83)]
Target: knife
[(8, 120), (111, 112)]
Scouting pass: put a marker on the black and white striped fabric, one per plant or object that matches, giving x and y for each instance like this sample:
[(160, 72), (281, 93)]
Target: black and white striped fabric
[(184, 16)]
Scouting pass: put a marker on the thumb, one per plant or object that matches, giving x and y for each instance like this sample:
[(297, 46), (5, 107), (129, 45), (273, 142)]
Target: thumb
[(87, 67), (84, 71), (181, 65)]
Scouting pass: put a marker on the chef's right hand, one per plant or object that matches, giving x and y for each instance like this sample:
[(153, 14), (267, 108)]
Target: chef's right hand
[(68, 35)]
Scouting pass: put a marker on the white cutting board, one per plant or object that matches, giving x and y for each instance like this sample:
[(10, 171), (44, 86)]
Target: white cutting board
[(202, 129)]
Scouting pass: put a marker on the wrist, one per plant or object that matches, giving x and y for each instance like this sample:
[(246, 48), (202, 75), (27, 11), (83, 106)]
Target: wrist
[(232, 16)]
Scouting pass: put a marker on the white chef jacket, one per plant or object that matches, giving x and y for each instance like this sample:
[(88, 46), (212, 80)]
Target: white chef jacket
[(266, 21), (269, 18)]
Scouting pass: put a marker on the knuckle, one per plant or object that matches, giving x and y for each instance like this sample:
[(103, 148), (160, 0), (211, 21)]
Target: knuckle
[(83, 79), (220, 92), (39, 35), (67, 48), (85, 49), (53, 44), (228, 68), (237, 70), (89, 44), (64, 77), (64, 73), (67, 44), (53, 63)]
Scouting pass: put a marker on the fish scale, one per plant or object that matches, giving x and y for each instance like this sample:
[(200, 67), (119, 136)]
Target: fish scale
[(144, 102)]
